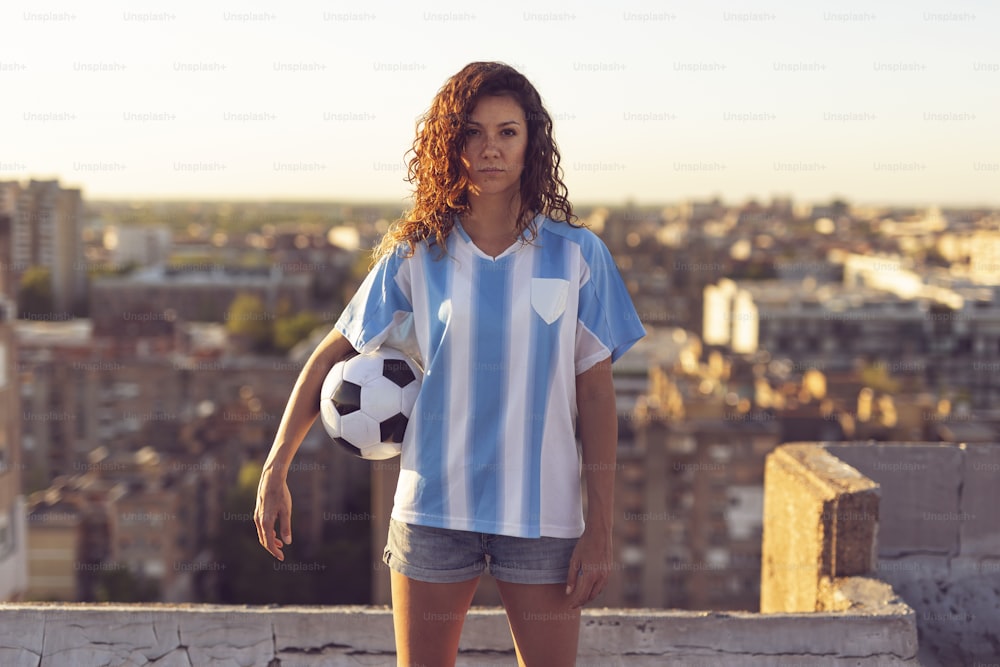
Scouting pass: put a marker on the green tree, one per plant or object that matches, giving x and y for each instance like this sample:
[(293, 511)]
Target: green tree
[(248, 318), (34, 294), (120, 585), (878, 378), (101, 270), (289, 331), (361, 266)]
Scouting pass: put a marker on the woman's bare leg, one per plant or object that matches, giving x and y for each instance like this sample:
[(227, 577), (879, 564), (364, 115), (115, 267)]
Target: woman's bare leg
[(428, 619), (546, 631)]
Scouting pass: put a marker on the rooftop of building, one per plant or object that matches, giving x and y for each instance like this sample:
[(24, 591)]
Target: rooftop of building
[(874, 554), (111, 634)]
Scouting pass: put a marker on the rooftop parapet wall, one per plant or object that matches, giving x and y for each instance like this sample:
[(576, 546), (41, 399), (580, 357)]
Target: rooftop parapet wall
[(921, 517), (820, 523), (878, 632), (821, 532), (939, 540), (939, 498)]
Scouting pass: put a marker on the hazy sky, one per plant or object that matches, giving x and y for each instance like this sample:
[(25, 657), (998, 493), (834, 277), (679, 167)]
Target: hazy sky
[(879, 102)]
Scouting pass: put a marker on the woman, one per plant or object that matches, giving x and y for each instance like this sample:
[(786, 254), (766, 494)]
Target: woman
[(515, 317)]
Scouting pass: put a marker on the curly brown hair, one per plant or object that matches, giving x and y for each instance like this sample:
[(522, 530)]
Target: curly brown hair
[(440, 178)]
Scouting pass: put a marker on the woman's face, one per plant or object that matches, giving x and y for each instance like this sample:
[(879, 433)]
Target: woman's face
[(496, 138)]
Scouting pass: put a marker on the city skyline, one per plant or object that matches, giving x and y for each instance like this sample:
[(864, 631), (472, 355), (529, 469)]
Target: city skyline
[(651, 103)]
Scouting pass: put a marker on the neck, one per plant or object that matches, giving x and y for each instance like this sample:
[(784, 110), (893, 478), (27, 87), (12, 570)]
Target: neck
[(492, 216)]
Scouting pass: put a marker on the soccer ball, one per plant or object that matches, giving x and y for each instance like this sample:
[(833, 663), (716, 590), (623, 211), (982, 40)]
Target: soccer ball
[(366, 400)]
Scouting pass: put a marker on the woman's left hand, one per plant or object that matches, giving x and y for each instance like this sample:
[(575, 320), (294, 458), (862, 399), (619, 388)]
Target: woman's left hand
[(589, 567)]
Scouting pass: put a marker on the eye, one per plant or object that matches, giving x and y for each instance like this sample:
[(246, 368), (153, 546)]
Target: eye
[(510, 132), (470, 132)]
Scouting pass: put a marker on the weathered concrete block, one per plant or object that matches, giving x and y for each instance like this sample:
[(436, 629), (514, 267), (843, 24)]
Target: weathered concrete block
[(490, 660), (108, 632), (364, 635), (18, 657), (84, 655), (886, 627), (920, 485), (955, 619), (226, 639), (166, 633), (915, 566), (820, 520), (955, 601), (980, 528), (784, 660), (362, 629), (178, 657), (971, 567), (211, 658), (334, 658), (24, 632), (865, 593), (791, 548), (854, 528), (609, 636)]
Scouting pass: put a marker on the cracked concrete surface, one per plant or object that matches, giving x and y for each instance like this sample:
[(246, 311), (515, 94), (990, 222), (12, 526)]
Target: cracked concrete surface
[(53, 634)]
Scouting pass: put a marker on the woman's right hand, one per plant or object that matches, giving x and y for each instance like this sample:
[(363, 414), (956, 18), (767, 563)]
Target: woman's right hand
[(274, 502)]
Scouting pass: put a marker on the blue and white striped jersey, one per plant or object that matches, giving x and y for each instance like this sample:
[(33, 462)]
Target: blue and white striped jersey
[(491, 444)]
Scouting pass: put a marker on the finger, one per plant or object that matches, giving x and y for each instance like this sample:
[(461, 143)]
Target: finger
[(265, 526), (285, 517), (591, 583), (596, 589), (573, 574), (258, 522), (275, 547), (276, 550), (581, 590), (584, 584), (269, 542)]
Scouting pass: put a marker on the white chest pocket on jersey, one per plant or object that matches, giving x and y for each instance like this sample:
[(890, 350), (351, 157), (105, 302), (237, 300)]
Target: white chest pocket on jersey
[(548, 297)]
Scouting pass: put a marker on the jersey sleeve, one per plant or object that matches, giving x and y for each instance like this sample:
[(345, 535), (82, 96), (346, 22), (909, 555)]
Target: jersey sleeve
[(381, 306), (608, 324)]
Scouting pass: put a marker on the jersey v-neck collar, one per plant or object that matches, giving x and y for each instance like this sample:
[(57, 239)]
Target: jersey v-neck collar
[(537, 223)]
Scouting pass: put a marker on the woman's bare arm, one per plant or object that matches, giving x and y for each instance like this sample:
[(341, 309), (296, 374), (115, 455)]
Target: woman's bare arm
[(274, 501), (592, 559)]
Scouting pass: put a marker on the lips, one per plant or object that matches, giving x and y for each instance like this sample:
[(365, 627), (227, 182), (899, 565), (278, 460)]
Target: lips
[(491, 170)]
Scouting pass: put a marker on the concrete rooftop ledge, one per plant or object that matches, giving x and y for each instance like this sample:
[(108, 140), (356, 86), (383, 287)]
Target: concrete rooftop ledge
[(918, 516), (877, 630)]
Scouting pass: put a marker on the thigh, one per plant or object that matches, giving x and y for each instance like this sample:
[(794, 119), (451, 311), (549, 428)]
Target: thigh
[(531, 577), (545, 630), (427, 619), (434, 573)]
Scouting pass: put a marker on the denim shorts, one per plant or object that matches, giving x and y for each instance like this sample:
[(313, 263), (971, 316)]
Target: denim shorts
[(444, 556)]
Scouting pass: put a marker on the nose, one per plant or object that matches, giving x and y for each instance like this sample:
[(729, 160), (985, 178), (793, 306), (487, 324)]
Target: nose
[(490, 146)]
